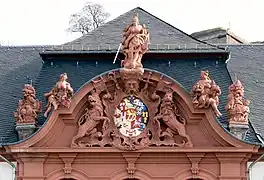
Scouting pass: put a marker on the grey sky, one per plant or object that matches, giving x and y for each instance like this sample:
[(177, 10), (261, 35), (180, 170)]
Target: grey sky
[(42, 22)]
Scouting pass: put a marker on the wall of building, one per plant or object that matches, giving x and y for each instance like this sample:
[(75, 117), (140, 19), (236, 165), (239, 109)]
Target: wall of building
[(6, 172)]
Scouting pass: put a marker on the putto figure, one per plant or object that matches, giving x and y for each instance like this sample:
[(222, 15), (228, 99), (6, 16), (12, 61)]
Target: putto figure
[(60, 95), (135, 44), (237, 106), (205, 93), (29, 107)]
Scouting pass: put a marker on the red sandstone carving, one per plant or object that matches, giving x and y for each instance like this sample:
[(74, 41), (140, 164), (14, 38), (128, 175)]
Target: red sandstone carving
[(29, 107), (60, 95), (175, 123), (135, 44), (237, 106), (89, 121), (120, 87), (205, 93), (130, 102)]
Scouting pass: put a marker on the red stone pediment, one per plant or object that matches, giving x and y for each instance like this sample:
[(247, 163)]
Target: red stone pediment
[(201, 127)]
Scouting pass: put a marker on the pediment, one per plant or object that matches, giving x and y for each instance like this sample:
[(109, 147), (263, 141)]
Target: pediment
[(75, 129), (131, 109)]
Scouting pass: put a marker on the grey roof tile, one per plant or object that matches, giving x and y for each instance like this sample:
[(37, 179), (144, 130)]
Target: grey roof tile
[(161, 33), (247, 64), (18, 65)]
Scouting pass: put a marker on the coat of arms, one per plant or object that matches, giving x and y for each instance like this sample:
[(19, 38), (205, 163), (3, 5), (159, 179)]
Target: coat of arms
[(131, 116)]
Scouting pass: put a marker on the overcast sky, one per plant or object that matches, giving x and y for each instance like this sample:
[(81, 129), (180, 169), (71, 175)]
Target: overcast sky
[(43, 22)]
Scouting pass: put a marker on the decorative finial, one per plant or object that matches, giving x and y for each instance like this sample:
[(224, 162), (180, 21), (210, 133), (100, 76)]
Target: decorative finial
[(238, 110), (27, 112), (237, 106)]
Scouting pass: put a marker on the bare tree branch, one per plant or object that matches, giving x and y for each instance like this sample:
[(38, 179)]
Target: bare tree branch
[(91, 17)]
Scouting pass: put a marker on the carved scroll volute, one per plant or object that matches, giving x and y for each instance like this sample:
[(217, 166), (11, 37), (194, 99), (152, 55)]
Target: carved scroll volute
[(205, 93), (131, 159), (195, 159), (68, 159), (60, 95)]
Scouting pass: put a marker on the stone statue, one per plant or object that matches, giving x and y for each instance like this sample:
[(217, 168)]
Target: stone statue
[(124, 109), (205, 93), (175, 124), (237, 106), (135, 44), (29, 107), (89, 121), (60, 95)]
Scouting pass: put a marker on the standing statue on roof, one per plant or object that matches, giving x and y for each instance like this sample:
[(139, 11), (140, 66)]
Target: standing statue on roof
[(135, 44), (205, 93), (60, 95)]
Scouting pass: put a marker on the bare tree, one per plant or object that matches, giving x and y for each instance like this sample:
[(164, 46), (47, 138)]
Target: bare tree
[(90, 17)]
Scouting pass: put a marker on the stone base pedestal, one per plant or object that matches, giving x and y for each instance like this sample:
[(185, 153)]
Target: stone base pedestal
[(25, 130), (239, 130)]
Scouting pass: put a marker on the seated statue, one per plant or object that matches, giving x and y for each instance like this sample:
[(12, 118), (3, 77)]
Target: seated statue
[(205, 93), (135, 44), (60, 95)]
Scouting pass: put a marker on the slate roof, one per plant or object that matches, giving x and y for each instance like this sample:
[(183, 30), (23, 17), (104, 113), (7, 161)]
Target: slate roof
[(162, 34), (173, 67), (18, 65), (247, 65), (89, 66), (218, 32)]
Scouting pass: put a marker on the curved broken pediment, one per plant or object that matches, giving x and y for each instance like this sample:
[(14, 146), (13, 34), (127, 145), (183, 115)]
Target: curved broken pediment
[(172, 121), (131, 113)]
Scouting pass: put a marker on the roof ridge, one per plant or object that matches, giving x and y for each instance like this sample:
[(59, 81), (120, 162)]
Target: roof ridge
[(140, 10), (100, 27), (249, 44), (190, 36), (208, 30), (26, 46)]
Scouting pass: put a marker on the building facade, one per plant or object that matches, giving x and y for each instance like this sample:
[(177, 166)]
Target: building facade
[(161, 105)]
